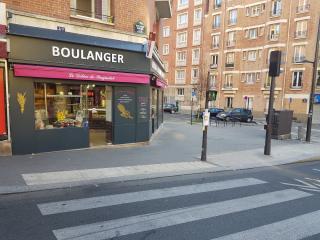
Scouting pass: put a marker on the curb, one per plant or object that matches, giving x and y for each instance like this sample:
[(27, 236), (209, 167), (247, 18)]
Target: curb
[(8, 190)]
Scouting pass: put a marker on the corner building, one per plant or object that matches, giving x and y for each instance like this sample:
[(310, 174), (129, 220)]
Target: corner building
[(80, 74), (237, 38)]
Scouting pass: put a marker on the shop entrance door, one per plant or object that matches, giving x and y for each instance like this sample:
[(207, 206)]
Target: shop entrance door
[(98, 101)]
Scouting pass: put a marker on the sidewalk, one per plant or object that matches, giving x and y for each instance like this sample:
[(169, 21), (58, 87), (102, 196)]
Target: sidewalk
[(174, 151)]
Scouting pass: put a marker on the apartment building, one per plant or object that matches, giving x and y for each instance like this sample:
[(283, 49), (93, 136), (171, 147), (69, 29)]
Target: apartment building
[(80, 73), (237, 38)]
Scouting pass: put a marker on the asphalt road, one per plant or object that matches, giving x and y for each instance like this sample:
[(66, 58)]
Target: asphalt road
[(267, 203)]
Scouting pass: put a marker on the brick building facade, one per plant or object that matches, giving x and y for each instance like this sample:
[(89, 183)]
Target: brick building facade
[(237, 38)]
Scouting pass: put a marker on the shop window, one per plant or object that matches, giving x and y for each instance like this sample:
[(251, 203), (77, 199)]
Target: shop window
[(96, 9), (58, 106)]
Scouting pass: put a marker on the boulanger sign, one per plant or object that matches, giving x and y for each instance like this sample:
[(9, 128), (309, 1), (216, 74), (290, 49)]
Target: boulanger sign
[(54, 53)]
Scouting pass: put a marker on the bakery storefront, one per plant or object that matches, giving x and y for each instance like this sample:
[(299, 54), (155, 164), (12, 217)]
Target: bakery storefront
[(67, 95)]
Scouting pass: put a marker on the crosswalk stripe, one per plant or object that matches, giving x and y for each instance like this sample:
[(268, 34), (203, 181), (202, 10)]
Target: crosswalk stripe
[(146, 222), (290, 229), (111, 200)]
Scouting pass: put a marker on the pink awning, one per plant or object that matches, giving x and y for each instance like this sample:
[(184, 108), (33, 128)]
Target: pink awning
[(21, 70), (161, 83)]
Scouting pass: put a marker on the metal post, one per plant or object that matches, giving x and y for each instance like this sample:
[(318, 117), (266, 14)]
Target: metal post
[(191, 108), (205, 129), (267, 146), (313, 86)]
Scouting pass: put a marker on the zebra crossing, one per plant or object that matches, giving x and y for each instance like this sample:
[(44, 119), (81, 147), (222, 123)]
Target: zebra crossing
[(294, 228)]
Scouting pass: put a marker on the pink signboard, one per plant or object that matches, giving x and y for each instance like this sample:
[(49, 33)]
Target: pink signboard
[(21, 70), (161, 83)]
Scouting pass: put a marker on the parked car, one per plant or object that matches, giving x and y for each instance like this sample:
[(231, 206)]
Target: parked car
[(169, 107), (213, 112), (241, 114)]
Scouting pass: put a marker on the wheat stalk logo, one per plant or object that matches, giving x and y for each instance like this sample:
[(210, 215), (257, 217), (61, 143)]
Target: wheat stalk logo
[(21, 98)]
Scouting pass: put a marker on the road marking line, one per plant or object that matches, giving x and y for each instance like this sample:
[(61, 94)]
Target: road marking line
[(147, 222), (101, 173), (318, 170), (117, 199), (290, 229)]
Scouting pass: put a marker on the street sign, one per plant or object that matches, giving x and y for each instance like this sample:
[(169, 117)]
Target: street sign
[(206, 118)]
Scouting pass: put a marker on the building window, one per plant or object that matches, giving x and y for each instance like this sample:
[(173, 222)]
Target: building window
[(229, 102), (182, 20), (299, 54), (303, 6), (166, 31), (233, 16), (301, 29), (231, 42), (165, 49), (195, 56), (253, 32), (181, 58), (215, 41), (251, 78), (216, 21), (276, 8), (296, 79), (196, 37), (214, 61), (213, 81), (228, 82), (252, 55), (217, 4), (181, 39), (194, 75), (274, 32), (197, 2), (96, 9), (183, 4), (180, 76), (197, 16), (230, 59), (180, 91)]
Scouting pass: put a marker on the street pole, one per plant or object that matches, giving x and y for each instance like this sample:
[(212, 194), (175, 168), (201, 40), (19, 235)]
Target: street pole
[(205, 129), (191, 108), (313, 86), (267, 145)]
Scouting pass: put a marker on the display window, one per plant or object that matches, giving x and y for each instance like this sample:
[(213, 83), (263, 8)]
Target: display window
[(58, 106)]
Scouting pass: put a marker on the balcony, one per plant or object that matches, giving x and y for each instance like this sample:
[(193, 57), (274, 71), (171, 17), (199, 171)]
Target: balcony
[(231, 43), (213, 66), (164, 8), (180, 81), (228, 86), (275, 13), (180, 63), (303, 8), (195, 61), (91, 16), (215, 45), (181, 44), (298, 59), (273, 37), (230, 65), (215, 25), (300, 34)]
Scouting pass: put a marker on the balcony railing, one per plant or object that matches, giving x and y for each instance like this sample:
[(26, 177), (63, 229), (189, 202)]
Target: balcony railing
[(232, 21), (231, 43), (181, 63), (195, 61), (215, 45), (275, 13), (91, 15), (298, 59), (215, 25), (228, 86), (267, 85), (303, 8), (181, 44), (273, 37), (229, 65), (300, 34), (213, 66)]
